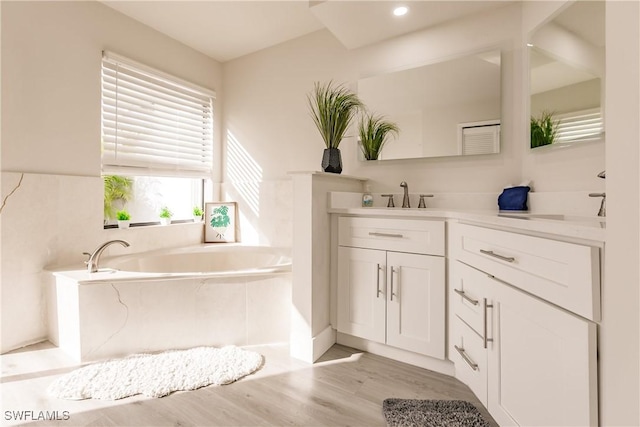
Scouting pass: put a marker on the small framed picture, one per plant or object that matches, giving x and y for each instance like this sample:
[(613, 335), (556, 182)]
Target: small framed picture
[(220, 222)]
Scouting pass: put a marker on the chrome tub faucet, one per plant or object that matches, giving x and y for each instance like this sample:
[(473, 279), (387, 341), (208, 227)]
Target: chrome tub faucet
[(94, 257)]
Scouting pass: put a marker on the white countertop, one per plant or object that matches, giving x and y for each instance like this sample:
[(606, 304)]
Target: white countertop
[(568, 226)]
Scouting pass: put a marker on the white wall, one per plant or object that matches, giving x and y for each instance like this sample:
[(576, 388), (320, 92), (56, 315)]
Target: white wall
[(50, 131), (265, 103), (619, 335), (265, 107)]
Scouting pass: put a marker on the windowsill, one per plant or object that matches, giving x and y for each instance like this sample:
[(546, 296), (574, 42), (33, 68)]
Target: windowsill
[(152, 223)]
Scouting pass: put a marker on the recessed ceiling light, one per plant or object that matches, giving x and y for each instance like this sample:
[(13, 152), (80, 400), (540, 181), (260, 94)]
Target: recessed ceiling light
[(400, 10), (529, 44)]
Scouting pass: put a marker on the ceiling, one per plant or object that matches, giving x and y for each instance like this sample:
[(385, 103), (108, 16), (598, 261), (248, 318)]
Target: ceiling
[(226, 29)]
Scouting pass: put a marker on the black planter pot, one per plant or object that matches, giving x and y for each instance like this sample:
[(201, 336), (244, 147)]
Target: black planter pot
[(332, 160)]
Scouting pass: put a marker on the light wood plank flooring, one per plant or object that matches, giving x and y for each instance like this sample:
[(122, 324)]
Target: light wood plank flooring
[(345, 387)]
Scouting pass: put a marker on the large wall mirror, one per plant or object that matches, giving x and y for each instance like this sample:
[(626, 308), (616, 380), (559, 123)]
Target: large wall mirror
[(566, 68), (448, 108)]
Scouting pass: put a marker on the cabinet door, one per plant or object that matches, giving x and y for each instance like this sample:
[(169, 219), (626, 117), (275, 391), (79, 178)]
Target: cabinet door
[(416, 303), (542, 362), (361, 293)]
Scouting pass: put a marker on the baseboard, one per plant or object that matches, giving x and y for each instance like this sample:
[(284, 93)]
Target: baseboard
[(323, 342), (445, 367), (310, 349)]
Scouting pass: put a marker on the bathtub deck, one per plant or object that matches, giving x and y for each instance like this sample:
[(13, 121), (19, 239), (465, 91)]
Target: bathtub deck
[(346, 387)]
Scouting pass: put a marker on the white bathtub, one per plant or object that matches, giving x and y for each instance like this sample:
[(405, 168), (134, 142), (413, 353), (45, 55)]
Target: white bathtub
[(215, 294), (209, 260)]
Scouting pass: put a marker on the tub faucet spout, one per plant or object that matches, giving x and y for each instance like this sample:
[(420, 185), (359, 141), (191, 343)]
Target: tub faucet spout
[(405, 198), (94, 257)]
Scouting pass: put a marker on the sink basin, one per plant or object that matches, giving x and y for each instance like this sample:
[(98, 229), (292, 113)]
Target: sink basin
[(557, 217), (597, 220)]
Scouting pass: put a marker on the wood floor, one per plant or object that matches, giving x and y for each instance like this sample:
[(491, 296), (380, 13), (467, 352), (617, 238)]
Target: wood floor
[(346, 387)]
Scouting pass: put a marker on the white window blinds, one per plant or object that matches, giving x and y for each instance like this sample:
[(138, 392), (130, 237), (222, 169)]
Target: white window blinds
[(154, 124), (580, 125)]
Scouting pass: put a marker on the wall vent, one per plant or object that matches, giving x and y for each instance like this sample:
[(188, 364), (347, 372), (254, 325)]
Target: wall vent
[(479, 138)]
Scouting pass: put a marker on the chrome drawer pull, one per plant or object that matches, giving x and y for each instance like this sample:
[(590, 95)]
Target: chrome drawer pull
[(495, 255), (464, 295), (485, 340), (466, 358), (376, 234)]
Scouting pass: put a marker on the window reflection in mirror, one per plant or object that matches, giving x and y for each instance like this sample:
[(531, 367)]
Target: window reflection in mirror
[(566, 64), (447, 108)]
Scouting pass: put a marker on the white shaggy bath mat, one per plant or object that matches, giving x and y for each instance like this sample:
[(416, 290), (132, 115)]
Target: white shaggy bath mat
[(156, 375)]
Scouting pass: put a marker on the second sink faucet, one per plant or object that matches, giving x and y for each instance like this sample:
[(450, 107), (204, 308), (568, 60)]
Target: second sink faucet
[(405, 200)]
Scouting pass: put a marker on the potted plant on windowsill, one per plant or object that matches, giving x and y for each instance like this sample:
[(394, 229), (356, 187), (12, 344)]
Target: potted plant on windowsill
[(197, 214), (373, 132), (124, 219), (165, 216), (332, 109)]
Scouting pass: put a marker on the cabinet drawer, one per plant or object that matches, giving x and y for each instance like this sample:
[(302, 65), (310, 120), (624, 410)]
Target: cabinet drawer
[(469, 357), (401, 235), (468, 290), (566, 274)]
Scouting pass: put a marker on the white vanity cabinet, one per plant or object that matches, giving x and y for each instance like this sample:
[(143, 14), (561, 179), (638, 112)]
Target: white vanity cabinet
[(391, 282), (523, 336)]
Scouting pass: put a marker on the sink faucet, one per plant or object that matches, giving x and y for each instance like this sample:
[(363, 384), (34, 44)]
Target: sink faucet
[(94, 258), (602, 211), (405, 199)]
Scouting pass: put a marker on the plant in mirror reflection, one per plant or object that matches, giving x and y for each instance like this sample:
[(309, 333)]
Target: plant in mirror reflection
[(373, 131), (543, 129)]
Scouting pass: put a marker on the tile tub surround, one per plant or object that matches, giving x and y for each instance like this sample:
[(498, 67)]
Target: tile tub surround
[(51, 220), (112, 319)]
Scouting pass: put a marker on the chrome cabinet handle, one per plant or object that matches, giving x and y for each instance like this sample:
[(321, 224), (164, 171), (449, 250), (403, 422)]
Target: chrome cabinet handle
[(378, 280), (495, 255), (376, 234), (392, 293), (473, 365), (465, 296), (485, 339)]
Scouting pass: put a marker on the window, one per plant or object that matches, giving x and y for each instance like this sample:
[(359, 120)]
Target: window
[(157, 138), (580, 125)]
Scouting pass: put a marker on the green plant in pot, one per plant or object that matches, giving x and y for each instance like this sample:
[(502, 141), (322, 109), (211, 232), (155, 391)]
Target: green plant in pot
[(124, 218), (543, 129), (373, 131), (332, 109), (197, 213), (165, 215)]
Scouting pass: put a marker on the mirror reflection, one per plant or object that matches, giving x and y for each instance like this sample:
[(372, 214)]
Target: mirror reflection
[(448, 108), (566, 60)]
